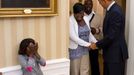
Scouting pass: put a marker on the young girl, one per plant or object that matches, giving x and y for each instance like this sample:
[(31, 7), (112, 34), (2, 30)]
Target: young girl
[(29, 58)]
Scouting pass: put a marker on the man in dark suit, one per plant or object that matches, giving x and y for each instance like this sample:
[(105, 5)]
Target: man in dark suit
[(115, 52)]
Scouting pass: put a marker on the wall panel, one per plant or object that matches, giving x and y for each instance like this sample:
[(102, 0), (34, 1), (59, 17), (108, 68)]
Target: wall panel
[(50, 32)]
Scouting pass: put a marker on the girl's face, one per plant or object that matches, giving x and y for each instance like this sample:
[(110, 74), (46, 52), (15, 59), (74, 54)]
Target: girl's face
[(79, 16)]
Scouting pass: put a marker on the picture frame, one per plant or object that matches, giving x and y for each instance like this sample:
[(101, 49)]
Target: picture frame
[(80, 0), (19, 8)]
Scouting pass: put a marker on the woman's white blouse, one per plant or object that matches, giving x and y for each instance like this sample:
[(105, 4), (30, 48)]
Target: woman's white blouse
[(74, 37)]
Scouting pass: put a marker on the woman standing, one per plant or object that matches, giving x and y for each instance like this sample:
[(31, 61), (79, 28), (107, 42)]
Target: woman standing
[(80, 41)]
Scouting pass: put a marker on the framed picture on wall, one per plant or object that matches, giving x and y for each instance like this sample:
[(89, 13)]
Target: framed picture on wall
[(80, 0), (25, 8)]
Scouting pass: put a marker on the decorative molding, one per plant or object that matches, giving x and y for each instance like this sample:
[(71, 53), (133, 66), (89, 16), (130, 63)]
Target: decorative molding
[(53, 67)]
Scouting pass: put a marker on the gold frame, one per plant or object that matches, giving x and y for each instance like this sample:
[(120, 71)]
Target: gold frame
[(26, 12), (80, 0)]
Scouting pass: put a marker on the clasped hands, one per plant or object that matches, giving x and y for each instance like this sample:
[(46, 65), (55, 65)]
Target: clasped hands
[(93, 46)]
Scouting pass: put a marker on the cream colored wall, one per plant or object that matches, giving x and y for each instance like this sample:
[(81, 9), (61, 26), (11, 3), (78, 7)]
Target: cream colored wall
[(72, 2), (50, 32)]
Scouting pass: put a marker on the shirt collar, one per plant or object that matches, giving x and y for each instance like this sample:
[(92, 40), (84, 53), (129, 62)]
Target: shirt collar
[(110, 5), (90, 13)]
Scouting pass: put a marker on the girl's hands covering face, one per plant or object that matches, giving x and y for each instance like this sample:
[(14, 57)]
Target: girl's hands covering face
[(30, 49)]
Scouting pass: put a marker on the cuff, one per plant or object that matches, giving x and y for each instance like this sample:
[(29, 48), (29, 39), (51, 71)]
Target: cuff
[(97, 30)]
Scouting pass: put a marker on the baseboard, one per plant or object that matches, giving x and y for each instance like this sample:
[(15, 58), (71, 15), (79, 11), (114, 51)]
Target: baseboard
[(53, 67)]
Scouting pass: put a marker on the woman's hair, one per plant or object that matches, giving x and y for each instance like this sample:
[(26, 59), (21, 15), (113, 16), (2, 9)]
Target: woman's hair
[(78, 7), (24, 44)]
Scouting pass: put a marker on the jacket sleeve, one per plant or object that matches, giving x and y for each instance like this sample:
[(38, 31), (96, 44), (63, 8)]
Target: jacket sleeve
[(74, 37), (92, 38), (41, 61)]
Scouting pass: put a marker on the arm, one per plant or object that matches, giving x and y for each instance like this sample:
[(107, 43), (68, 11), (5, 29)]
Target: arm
[(96, 27), (73, 36), (100, 25), (39, 59), (92, 38)]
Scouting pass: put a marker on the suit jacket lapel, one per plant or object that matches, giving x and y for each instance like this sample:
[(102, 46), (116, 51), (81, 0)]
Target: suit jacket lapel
[(105, 23)]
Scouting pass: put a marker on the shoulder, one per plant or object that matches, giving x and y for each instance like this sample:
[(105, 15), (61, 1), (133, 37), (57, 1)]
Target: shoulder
[(22, 57), (116, 9), (71, 19)]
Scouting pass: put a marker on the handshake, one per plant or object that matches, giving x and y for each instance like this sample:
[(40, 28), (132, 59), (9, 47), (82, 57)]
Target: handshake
[(93, 46)]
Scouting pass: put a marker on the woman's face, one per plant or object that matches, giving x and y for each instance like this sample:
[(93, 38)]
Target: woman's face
[(79, 16)]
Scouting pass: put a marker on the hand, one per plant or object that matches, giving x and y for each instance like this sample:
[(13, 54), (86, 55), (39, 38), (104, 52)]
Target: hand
[(36, 50), (33, 49), (93, 46), (30, 49), (37, 55), (36, 47), (93, 30)]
